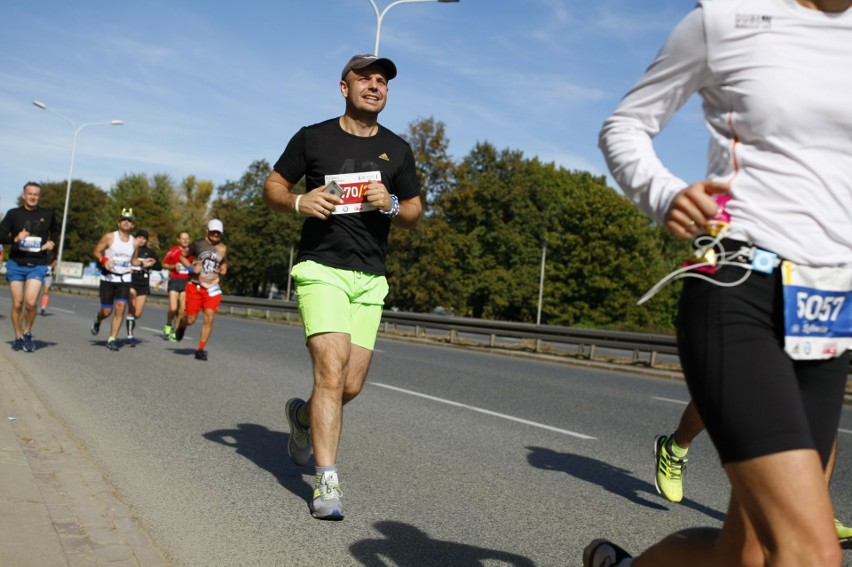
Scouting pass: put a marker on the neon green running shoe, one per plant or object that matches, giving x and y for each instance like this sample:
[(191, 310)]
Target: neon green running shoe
[(843, 533), (669, 469)]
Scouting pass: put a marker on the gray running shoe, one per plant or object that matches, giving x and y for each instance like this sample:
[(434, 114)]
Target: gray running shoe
[(112, 345), (603, 553), (29, 344), (18, 344), (326, 504), (299, 446)]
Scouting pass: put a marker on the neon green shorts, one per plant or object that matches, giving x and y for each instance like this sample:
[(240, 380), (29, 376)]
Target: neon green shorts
[(332, 300)]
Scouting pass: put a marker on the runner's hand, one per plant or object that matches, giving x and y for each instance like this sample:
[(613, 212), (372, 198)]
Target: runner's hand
[(693, 207)]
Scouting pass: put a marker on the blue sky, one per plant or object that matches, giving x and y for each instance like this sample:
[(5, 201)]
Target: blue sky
[(207, 87)]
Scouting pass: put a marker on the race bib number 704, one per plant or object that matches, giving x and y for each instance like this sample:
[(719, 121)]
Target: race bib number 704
[(354, 186), (817, 311)]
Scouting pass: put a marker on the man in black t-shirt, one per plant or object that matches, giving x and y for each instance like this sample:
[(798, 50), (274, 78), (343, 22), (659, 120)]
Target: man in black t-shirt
[(360, 179), (30, 231)]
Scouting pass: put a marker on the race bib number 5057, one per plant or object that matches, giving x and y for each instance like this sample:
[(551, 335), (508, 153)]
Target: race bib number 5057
[(817, 311)]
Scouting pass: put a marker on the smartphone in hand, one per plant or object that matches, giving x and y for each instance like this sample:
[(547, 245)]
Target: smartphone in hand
[(334, 189)]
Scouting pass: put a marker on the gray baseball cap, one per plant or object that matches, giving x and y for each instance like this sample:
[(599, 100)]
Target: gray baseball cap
[(361, 61)]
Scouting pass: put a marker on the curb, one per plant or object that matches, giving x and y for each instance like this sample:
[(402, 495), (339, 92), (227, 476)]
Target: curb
[(56, 508)]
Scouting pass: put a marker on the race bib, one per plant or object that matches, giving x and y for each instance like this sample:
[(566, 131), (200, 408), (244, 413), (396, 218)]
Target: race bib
[(31, 244), (817, 311), (214, 290), (354, 187), (121, 264)]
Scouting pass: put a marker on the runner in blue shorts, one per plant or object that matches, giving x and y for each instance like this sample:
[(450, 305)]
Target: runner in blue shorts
[(30, 230), (360, 179)]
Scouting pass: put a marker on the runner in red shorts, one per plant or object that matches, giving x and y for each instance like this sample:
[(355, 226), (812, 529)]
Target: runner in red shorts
[(210, 261)]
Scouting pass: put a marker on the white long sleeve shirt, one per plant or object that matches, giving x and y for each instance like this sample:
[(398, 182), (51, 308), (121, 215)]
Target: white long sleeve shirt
[(776, 83)]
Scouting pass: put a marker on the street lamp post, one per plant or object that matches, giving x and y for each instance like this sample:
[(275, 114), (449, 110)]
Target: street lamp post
[(381, 15), (541, 281), (76, 130)]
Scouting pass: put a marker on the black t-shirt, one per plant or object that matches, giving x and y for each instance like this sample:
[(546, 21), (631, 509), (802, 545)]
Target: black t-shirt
[(40, 223), (355, 241), (140, 275)]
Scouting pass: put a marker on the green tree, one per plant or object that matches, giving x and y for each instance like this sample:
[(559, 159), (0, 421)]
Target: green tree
[(191, 208), (259, 239), (602, 254), (151, 203), (420, 260), (87, 210), (428, 141)]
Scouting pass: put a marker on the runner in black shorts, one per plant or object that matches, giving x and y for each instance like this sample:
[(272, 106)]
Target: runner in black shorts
[(178, 276), (764, 323), (140, 282)]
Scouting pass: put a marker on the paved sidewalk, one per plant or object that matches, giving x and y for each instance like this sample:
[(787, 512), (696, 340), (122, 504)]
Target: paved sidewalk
[(56, 508)]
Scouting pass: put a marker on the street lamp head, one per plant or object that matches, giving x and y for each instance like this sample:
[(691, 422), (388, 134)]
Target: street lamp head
[(40, 104), (448, 1), (116, 122)]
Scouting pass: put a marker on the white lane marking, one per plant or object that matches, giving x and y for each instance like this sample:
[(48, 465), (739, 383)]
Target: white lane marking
[(485, 411), (681, 402), (49, 309), (160, 332), (844, 431)]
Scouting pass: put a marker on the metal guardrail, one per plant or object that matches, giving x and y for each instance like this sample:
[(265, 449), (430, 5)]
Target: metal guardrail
[(636, 348)]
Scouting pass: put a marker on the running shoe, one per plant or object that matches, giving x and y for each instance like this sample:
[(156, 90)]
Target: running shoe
[(167, 332), (843, 533), (670, 469), (131, 341), (42, 311), (96, 327), (18, 344), (177, 334), (327, 504), (201, 355), (603, 553), (29, 343), (112, 345), (299, 446)]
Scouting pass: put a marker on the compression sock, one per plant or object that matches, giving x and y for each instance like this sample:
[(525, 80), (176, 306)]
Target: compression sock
[(44, 300), (131, 324), (201, 345)]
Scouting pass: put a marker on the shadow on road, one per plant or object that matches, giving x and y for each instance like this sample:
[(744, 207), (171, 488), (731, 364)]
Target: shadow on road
[(268, 450), (611, 478), (406, 545)]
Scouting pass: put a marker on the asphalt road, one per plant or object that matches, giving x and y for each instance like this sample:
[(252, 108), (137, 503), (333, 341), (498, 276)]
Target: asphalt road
[(448, 457)]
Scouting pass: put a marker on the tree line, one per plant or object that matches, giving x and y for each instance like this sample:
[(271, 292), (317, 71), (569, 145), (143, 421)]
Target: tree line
[(489, 219)]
